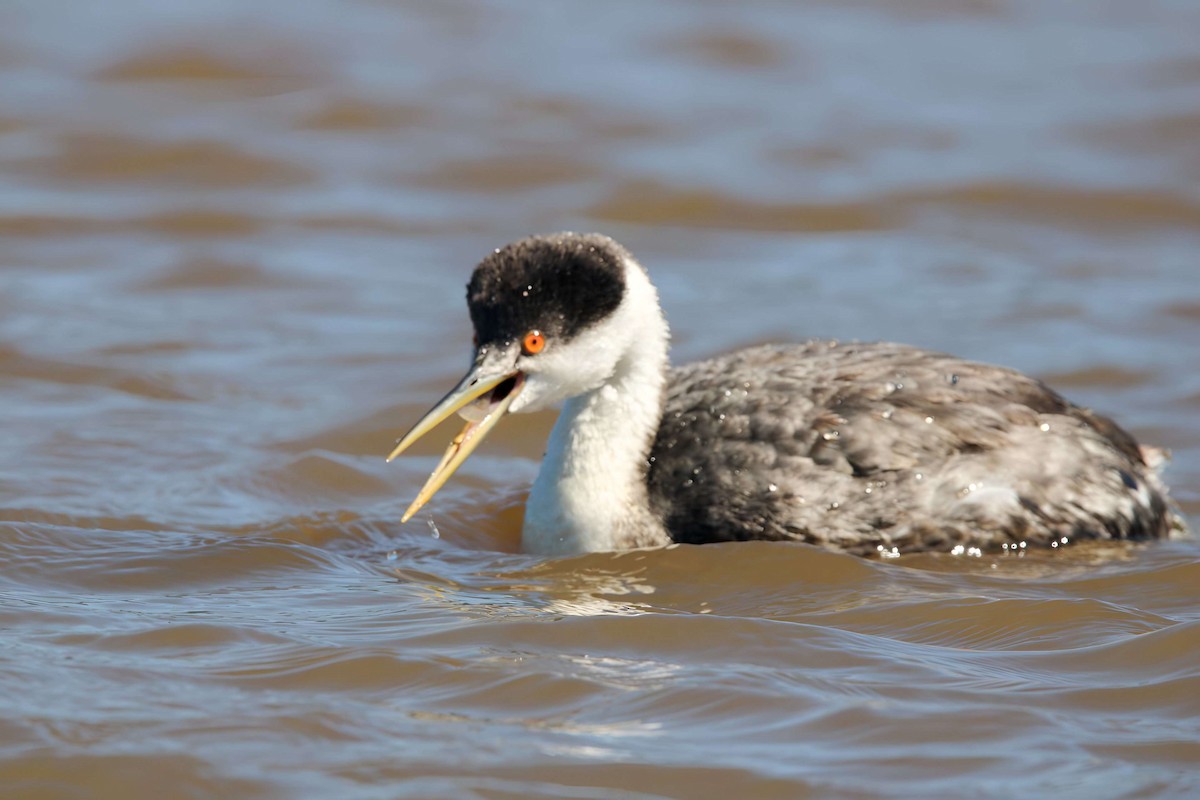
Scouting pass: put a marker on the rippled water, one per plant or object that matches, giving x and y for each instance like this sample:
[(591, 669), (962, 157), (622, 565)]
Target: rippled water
[(232, 248)]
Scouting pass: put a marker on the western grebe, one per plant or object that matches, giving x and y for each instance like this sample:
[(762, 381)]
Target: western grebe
[(855, 447)]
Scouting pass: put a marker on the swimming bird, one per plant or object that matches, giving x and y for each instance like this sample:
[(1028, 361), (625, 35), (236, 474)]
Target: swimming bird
[(866, 448)]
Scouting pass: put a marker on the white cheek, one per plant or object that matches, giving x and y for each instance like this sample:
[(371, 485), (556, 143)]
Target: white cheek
[(556, 378), (533, 396)]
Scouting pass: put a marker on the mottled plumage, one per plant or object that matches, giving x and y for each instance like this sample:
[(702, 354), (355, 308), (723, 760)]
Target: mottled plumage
[(857, 447)]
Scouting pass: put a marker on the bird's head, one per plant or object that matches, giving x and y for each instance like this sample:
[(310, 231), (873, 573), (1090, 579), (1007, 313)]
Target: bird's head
[(551, 322)]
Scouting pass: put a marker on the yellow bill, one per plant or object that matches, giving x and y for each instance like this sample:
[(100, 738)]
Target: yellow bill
[(491, 399)]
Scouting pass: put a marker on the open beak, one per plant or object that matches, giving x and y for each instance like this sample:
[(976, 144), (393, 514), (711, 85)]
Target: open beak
[(489, 391)]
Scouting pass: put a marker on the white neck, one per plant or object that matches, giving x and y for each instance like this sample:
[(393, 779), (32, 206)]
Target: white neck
[(590, 494)]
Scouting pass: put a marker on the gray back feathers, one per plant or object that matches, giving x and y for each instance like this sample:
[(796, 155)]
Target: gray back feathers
[(862, 446)]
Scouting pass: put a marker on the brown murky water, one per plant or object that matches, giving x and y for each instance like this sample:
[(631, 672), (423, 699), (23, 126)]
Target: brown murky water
[(233, 241)]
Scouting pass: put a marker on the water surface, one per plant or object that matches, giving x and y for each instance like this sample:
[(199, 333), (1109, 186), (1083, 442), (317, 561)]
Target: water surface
[(233, 243)]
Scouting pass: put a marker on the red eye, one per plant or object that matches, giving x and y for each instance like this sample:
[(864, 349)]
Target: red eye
[(533, 343)]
